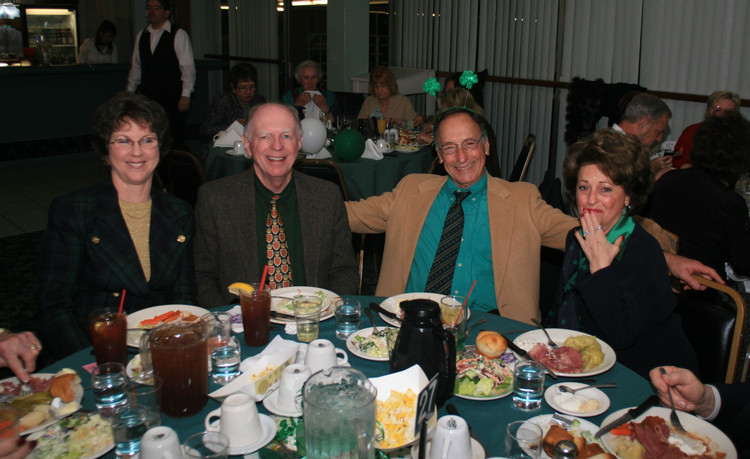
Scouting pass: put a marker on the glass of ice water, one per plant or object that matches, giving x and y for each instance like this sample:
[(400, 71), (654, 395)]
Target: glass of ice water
[(108, 382), (225, 360), (128, 426), (528, 385), (348, 316)]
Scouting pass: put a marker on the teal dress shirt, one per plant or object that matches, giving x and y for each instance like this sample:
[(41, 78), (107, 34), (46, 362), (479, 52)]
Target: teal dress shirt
[(474, 260)]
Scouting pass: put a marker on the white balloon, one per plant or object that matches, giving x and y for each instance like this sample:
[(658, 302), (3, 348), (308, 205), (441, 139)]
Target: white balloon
[(313, 135)]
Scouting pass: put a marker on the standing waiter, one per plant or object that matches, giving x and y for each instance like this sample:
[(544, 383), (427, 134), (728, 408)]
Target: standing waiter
[(163, 66)]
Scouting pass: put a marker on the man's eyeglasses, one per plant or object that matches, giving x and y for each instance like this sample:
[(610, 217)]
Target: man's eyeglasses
[(245, 87), (154, 8), (124, 144), (467, 145)]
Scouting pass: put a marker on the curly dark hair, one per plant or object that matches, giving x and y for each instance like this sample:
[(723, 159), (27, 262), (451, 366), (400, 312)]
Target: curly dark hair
[(136, 107), (242, 72), (619, 156), (721, 147)]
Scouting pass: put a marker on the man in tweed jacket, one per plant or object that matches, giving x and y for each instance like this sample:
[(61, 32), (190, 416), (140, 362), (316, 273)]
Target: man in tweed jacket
[(230, 216)]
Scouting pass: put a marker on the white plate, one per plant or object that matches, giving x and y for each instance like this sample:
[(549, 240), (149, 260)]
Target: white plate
[(392, 304), (406, 148), (584, 395), (269, 431), (135, 318), (271, 402), (694, 425), (477, 452), (352, 345), (231, 152), (530, 338), (278, 295), (78, 396), (544, 421)]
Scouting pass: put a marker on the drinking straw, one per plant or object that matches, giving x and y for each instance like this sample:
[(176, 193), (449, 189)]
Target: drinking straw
[(263, 279), (466, 301), (122, 302)]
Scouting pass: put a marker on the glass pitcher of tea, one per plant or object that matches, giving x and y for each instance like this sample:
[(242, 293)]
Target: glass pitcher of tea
[(177, 353)]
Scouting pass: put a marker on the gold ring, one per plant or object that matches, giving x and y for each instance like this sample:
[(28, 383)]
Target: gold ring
[(34, 347)]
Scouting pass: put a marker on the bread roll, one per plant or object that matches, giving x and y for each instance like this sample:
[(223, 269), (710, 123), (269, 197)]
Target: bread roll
[(491, 344), (62, 385)]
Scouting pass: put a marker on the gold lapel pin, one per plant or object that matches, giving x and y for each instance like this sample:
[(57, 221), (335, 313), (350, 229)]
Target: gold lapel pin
[(181, 238)]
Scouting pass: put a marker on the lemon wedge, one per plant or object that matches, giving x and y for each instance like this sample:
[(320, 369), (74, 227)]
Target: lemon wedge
[(237, 286)]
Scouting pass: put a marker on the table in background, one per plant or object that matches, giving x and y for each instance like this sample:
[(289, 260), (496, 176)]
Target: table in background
[(363, 177), (487, 418)]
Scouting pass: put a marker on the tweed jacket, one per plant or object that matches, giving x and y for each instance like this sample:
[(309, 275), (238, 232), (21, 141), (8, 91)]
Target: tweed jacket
[(520, 223), (88, 258), (226, 243)]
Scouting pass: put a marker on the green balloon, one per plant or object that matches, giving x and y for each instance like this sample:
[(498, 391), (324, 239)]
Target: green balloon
[(349, 145)]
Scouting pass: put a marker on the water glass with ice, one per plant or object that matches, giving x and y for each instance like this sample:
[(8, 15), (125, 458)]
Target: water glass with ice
[(225, 360), (348, 316), (523, 440), (108, 382), (128, 426), (528, 385)]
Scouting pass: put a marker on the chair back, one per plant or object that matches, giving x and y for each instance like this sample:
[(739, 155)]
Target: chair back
[(521, 167), (714, 326), (437, 168), (181, 175)]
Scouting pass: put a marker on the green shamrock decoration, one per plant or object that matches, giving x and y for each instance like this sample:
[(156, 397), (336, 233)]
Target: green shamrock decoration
[(468, 79)]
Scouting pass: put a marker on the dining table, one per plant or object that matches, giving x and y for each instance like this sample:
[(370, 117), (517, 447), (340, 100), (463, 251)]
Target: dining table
[(488, 418), (364, 177)]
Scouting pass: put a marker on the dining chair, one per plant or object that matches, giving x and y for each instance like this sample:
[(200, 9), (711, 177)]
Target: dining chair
[(181, 174), (521, 167), (714, 322), (437, 168), (327, 169)]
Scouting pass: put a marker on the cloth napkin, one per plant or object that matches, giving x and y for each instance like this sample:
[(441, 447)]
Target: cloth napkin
[(322, 154), (312, 110), (227, 137), (372, 151)]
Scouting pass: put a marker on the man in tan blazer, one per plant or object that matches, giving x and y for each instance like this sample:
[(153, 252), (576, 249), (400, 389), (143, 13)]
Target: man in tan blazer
[(520, 222)]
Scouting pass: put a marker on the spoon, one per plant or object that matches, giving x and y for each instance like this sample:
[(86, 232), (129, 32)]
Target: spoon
[(569, 390), (551, 343)]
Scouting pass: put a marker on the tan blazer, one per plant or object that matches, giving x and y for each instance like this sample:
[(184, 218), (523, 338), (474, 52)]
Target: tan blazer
[(520, 224)]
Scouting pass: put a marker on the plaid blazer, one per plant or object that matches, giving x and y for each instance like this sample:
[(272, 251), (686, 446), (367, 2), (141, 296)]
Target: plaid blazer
[(88, 257)]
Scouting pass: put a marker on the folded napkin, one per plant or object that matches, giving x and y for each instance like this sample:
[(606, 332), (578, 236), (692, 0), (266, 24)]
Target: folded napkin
[(227, 137), (322, 154), (312, 110), (261, 372), (372, 151)]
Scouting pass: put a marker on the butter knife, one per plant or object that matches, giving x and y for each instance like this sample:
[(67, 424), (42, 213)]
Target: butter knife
[(630, 415), (525, 355), (451, 409), (281, 315)]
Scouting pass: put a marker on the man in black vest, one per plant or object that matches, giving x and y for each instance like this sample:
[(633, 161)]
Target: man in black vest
[(163, 67)]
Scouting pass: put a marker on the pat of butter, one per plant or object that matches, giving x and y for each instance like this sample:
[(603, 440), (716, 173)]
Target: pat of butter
[(571, 402), (59, 408)]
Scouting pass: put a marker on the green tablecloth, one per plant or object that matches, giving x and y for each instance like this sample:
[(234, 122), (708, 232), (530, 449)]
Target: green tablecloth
[(487, 418), (363, 177)]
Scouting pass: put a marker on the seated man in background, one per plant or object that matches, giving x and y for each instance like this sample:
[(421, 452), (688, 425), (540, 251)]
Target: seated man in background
[(237, 217), (720, 103), (646, 117), (725, 405), (311, 101), (502, 228), (232, 105)]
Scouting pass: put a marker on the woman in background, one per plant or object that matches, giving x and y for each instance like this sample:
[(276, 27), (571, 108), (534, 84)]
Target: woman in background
[(121, 234), (385, 101), (102, 49), (614, 283)]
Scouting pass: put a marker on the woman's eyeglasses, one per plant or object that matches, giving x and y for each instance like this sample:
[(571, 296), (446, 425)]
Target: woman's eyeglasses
[(125, 144)]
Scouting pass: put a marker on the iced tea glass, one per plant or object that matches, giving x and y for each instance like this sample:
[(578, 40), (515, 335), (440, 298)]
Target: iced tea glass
[(256, 315), (109, 332)]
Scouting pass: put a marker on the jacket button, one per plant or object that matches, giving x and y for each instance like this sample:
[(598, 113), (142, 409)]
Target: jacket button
[(181, 238), (95, 240)]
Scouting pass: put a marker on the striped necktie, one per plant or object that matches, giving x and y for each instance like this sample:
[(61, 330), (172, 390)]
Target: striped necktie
[(277, 250), (441, 273)]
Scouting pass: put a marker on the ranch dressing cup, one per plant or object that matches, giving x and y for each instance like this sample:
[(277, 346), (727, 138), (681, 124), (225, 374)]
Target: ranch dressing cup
[(339, 415)]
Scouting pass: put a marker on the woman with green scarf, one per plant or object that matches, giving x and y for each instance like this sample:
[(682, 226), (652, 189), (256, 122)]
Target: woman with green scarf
[(614, 281)]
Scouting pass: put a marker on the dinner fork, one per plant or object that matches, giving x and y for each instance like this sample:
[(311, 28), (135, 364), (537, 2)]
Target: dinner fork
[(25, 389), (551, 343), (673, 415)]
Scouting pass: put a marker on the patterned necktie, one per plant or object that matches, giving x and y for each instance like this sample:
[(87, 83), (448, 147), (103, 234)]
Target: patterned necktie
[(279, 265), (441, 273)]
